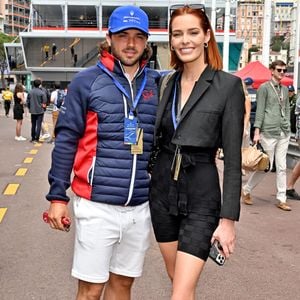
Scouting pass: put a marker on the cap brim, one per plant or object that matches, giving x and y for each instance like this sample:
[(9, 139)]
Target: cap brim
[(119, 29)]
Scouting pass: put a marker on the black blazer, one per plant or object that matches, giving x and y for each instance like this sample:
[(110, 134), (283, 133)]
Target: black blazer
[(212, 118)]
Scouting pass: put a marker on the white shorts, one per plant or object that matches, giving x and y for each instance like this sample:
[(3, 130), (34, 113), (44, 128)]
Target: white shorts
[(109, 238)]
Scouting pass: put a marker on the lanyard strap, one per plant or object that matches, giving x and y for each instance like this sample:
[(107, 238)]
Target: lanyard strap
[(280, 98), (174, 119), (122, 89)]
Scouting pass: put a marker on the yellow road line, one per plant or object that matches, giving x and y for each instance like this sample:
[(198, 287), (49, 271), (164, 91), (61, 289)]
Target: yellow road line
[(38, 145), (11, 189), (33, 151), (21, 171), (28, 160), (2, 213)]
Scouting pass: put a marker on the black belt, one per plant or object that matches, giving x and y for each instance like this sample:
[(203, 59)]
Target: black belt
[(177, 197)]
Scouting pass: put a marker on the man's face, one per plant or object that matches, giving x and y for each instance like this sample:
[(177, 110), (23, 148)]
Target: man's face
[(278, 72), (128, 46)]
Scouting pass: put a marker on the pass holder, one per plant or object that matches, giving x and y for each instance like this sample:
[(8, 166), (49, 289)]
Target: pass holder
[(130, 130), (138, 147), (176, 163)]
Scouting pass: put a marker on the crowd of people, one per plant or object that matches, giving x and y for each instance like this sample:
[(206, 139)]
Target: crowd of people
[(35, 102), (139, 151)]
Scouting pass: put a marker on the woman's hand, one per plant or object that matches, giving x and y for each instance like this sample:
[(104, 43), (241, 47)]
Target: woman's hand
[(225, 234)]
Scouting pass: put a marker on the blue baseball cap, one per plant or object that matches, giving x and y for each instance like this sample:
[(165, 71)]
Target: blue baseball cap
[(128, 17), (291, 88), (248, 81)]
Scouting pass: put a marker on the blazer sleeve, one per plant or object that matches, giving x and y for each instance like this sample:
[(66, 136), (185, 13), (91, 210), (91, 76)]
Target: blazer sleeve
[(232, 131)]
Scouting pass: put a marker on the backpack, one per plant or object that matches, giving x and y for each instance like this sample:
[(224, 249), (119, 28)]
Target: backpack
[(60, 98)]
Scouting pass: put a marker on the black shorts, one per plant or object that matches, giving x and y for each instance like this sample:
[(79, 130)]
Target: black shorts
[(193, 225)]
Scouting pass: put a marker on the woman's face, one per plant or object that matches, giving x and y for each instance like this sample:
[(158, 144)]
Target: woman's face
[(188, 38)]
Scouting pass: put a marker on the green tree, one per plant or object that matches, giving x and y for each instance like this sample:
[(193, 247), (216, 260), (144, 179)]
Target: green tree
[(3, 39)]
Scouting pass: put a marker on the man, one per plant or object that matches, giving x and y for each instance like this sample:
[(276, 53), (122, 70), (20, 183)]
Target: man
[(292, 100), (55, 96), (7, 96), (290, 191), (272, 130), (104, 133), (252, 94), (36, 103), (54, 49), (46, 49)]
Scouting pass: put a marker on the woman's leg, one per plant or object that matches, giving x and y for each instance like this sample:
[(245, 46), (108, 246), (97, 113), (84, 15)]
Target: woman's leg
[(169, 251), (18, 128), (187, 272)]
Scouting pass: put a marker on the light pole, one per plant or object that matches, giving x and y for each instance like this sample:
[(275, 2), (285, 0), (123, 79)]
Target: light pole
[(226, 37), (296, 53), (266, 33)]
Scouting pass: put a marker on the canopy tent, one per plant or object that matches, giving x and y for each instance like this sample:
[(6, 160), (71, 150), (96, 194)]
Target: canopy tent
[(260, 74)]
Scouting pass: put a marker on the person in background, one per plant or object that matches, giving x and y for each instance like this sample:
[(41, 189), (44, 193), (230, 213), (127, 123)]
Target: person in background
[(7, 96), (45, 50), (19, 101), (290, 191), (252, 94), (247, 125), (36, 103), (105, 134), (201, 110), (272, 130), (55, 111), (292, 100), (54, 50)]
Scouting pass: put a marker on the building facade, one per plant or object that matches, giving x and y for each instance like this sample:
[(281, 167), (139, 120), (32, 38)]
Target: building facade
[(16, 16), (75, 29)]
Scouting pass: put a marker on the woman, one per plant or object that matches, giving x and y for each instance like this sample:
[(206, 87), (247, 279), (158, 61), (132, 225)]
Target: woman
[(19, 101), (201, 109), (246, 132)]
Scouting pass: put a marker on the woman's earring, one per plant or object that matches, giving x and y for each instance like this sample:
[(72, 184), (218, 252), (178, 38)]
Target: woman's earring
[(205, 45), (172, 48)]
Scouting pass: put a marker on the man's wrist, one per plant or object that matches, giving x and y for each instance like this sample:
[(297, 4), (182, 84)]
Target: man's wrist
[(59, 201)]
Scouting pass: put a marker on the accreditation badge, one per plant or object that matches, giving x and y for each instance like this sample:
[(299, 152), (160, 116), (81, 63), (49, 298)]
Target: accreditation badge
[(130, 130)]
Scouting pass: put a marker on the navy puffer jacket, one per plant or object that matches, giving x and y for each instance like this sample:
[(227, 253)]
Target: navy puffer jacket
[(90, 137)]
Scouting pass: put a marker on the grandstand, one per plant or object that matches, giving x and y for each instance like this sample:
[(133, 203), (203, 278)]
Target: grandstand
[(79, 28)]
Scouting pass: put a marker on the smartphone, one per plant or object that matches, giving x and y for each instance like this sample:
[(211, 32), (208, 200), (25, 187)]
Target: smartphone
[(215, 253)]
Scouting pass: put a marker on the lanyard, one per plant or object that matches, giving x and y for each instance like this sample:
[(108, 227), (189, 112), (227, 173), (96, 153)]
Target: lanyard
[(174, 119), (280, 98), (121, 88)]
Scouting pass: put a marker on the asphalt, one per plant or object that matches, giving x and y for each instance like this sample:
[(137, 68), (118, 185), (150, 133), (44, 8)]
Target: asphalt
[(35, 261)]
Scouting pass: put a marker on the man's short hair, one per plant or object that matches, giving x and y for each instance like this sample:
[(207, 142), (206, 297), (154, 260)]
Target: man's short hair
[(37, 83), (276, 63), (57, 85)]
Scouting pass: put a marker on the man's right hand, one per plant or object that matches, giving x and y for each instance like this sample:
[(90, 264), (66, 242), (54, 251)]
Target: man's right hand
[(256, 137), (57, 211)]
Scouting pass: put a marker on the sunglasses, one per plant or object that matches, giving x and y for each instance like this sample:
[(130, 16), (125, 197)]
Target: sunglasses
[(280, 70), (193, 6)]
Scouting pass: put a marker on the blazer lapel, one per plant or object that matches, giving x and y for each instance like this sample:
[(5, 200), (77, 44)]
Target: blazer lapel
[(201, 86), (166, 95)]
